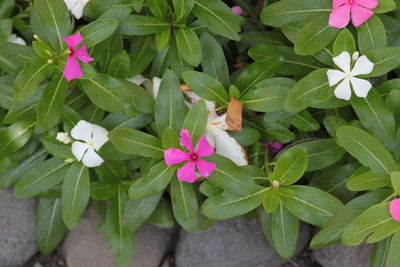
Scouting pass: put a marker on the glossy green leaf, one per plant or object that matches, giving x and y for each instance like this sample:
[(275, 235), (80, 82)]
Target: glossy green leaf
[(265, 99), (371, 35), (97, 31), (182, 8), (143, 25), (291, 166), (345, 42), (14, 137), (196, 120), (189, 46)]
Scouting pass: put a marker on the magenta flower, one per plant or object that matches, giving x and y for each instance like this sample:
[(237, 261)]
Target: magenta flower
[(72, 68), (394, 209), (273, 147), (187, 173), (360, 11), (237, 10)]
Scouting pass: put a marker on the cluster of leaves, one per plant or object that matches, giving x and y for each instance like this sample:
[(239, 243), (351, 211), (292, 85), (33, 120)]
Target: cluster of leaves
[(338, 170)]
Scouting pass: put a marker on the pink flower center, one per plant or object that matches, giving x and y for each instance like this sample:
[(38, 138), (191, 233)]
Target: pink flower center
[(71, 52), (351, 2), (194, 156)]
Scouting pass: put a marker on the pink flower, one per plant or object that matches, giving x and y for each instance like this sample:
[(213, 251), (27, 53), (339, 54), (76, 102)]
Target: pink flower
[(187, 173), (360, 11), (72, 68), (237, 10), (273, 147), (394, 209)]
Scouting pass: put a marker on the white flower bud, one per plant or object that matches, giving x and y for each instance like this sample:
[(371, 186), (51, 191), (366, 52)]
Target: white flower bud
[(276, 184), (355, 56), (63, 138)]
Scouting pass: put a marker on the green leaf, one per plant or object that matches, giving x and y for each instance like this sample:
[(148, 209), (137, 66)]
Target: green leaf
[(232, 178), (162, 39), (393, 256), (50, 20), (214, 61), (291, 166), (332, 232), (159, 8), (206, 86), (14, 137), (371, 35), (282, 231), (41, 178), (196, 120), (385, 6), (265, 99), (315, 36), (189, 46), (395, 178), (256, 72), (185, 205), (6, 8), (14, 56), (182, 8), (102, 190), (170, 138), (97, 31), (170, 109), (271, 200), (152, 183), (218, 17), (312, 205), (312, 89), (50, 228), (364, 181), (30, 77), (227, 205), (384, 59), (286, 11), (141, 55), (143, 100), (305, 122), (112, 171), (162, 215), (119, 65), (143, 25), (379, 253), (368, 151), (376, 222), (138, 211), (51, 104), (345, 42), (134, 142), (75, 194)]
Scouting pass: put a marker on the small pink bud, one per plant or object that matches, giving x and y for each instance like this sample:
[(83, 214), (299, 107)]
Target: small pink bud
[(237, 10)]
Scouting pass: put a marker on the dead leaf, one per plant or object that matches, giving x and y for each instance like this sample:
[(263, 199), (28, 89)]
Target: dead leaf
[(234, 115)]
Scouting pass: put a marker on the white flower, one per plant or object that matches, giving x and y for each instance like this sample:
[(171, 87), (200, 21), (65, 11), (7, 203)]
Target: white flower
[(361, 87), (63, 138), (13, 38), (76, 7), (94, 138)]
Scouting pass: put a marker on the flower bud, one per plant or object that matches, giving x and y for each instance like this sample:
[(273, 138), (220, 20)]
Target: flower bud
[(276, 184), (63, 138), (36, 37), (355, 56)]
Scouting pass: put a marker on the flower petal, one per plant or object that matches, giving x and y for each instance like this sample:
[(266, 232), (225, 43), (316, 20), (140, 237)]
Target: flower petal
[(237, 10), (92, 159), (82, 131), (363, 66), (226, 145), (371, 4), (79, 149), (72, 69), (205, 168), (83, 55), (338, 3), (73, 40), (76, 7), (361, 87), (186, 140), (187, 172), (343, 61), (360, 14), (211, 106), (99, 136), (343, 90), (204, 149), (13, 38), (394, 209), (174, 156), (137, 79), (340, 17), (335, 76)]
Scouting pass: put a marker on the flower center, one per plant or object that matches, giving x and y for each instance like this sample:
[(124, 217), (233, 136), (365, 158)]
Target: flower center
[(71, 51), (91, 144), (351, 2), (194, 156)]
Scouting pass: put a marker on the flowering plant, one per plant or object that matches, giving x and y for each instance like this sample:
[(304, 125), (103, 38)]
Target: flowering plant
[(198, 111)]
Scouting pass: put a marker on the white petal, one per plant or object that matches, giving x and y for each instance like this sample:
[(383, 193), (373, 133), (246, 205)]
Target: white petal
[(76, 7), (343, 61), (79, 149), (211, 106), (138, 79), (82, 131), (363, 66), (91, 159), (343, 90), (13, 38), (100, 136), (227, 146), (334, 76), (218, 121), (156, 86), (361, 87)]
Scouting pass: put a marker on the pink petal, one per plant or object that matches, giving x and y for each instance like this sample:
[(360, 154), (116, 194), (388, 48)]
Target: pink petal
[(174, 156), (359, 15), (338, 3), (394, 209), (72, 69), (340, 17), (187, 173), (82, 54), (371, 4), (205, 168), (204, 149), (73, 40), (186, 140), (237, 10)]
